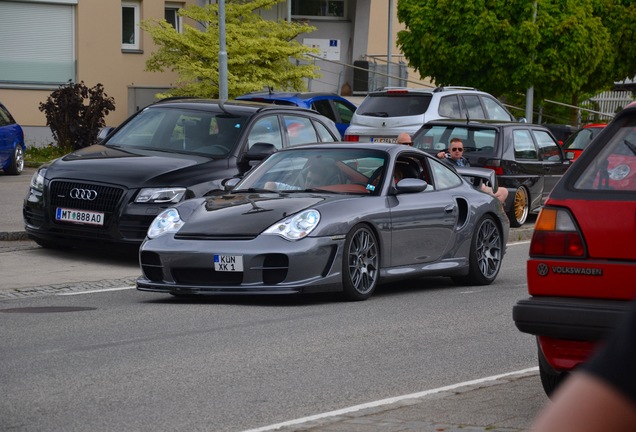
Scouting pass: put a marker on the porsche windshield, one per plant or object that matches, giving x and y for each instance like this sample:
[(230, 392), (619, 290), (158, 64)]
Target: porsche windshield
[(334, 170), (212, 134)]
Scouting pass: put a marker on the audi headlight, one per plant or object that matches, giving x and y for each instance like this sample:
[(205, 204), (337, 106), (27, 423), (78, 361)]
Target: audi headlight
[(297, 226), (37, 181), (160, 195), (168, 221)]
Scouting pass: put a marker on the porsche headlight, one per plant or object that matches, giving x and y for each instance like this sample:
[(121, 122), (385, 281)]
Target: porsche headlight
[(168, 221), (297, 226), (160, 195), (37, 181), (619, 172)]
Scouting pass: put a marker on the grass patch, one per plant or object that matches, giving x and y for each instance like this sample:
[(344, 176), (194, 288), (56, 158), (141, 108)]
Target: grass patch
[(36, 156)]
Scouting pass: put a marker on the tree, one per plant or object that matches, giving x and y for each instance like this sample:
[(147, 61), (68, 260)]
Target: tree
[(75, 113), (259, 50), (498, 46)]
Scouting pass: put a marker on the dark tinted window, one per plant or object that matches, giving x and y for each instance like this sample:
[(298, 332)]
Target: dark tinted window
[(449, 107), (495, 110), (476, 141), (5, 118), (300, 130), (475, 110), (324, 108), (614, 168), (266, 130), (523, 145), (180, 130), (394, 104), (548, 147), (323, 132), (581, 139), (344, 111)]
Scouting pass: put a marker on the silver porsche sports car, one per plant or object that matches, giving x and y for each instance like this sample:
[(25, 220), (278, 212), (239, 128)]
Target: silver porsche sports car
[(330, 217)]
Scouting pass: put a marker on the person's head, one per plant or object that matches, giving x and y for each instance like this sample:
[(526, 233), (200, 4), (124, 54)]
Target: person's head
[(404, 138), (456, 148), (320, 172)]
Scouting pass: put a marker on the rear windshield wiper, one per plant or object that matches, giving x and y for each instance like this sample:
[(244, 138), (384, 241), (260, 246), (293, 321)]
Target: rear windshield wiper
[(376, 114)]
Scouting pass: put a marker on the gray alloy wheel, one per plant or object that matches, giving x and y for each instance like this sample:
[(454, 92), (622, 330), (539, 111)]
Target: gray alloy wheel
[(486, 254), (520, 208), (360, 264), (17, 162)]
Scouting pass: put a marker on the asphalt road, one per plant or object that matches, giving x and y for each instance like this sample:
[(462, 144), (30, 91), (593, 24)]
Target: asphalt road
[(82, 350), (126, 360)]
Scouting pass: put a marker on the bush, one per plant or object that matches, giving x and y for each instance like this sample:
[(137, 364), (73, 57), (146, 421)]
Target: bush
[(76, 113)]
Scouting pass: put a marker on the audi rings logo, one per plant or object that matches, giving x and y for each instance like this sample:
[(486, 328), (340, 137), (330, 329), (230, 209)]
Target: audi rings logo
[(83, 194), (542, 269)]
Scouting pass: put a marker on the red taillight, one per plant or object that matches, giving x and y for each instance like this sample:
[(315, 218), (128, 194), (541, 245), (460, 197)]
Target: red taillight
[(497, 169), (564, 355), (556, 234), (352, 138), (397, 91)]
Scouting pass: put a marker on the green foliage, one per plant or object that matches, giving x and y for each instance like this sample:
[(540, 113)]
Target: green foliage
[(35, 156), (572, 48), (75, 113), (258, 50)]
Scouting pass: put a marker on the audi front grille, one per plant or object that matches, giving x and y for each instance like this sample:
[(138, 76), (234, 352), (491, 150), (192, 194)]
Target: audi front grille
[(85, 196)]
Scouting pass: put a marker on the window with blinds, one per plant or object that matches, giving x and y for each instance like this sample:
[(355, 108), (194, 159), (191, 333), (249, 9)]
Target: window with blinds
[(42, 38)]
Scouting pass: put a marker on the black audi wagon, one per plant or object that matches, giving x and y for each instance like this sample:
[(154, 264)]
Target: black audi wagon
[(168, 152)]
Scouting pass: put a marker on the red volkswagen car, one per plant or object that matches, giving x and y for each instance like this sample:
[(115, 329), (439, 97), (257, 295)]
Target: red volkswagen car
[(582, 257)]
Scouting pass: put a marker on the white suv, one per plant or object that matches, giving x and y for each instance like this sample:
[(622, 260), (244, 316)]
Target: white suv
[(382, 115)]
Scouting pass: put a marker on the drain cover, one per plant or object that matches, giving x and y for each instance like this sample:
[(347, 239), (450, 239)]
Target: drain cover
[(47, 309)]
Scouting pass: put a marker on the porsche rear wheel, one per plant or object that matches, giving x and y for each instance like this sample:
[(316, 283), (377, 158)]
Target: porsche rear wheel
[(360, 264), (486, 253), (520, 208)]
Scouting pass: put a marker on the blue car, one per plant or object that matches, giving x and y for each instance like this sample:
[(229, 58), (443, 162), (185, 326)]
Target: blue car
[(332, 106), (12, 146)]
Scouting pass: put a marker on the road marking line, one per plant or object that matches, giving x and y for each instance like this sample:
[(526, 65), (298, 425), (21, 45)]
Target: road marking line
[(97, 291), (519, 242), (389, 401)]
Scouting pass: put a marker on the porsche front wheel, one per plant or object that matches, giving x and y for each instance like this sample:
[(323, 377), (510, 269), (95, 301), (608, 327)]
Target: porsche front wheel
[(360, 264), (486, 253)]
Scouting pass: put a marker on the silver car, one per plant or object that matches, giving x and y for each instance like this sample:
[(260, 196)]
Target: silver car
[(382, 115), (330, 217)]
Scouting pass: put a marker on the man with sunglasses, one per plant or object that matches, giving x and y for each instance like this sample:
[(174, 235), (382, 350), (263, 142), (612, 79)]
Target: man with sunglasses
[(455, 155)]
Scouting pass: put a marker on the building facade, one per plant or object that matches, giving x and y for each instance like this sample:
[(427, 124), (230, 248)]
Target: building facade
[(96, 41)]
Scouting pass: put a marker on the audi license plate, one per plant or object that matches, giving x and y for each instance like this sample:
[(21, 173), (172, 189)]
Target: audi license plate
[(79, 216), (228, 263)]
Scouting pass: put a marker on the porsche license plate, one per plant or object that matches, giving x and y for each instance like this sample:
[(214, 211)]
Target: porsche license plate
[(228, 263), (79, 216)]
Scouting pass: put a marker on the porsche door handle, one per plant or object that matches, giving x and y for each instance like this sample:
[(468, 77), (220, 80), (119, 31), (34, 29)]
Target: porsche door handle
[(449, 208)]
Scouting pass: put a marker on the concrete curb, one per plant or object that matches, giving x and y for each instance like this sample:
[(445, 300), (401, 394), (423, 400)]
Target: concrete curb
[(13, 236)]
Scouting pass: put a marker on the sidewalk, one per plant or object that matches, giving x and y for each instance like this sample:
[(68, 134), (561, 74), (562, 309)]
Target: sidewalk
[(13, 189), (507, 404)]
